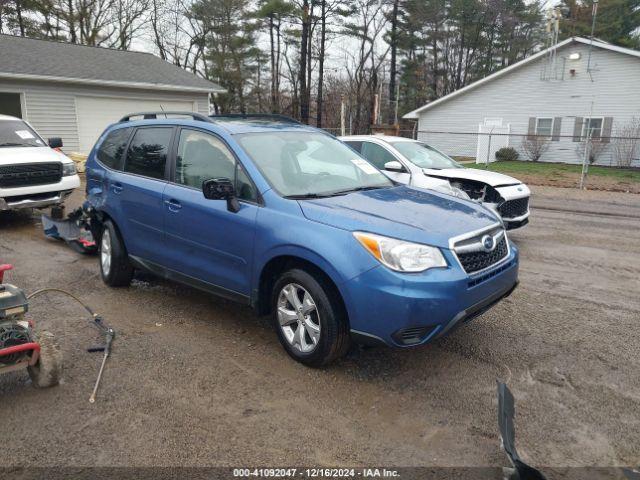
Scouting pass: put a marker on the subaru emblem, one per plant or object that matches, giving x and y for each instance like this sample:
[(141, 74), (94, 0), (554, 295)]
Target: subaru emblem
[(519, 189), (488, 243)]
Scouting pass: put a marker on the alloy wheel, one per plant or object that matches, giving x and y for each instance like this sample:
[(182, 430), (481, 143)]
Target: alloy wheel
[(105, 252), (298, 318)]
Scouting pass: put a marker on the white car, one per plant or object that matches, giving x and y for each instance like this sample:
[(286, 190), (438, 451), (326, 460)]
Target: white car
[(32, 173), (415, 163)]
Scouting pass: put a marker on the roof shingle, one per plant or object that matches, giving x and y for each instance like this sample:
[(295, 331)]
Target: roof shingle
[(44, 58)]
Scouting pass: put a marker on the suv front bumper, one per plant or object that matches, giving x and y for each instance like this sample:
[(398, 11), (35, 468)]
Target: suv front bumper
[(406, 310)]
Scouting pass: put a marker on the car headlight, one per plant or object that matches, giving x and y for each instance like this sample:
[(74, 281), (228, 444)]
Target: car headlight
[(458, 192), (451, 190), (399, 255), (68, 169)]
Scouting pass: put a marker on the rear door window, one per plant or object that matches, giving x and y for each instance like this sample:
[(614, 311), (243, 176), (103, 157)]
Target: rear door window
[(111, 151), (147, 154)]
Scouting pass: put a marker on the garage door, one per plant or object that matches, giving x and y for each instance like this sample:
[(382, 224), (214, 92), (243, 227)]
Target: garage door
[(96, 113)]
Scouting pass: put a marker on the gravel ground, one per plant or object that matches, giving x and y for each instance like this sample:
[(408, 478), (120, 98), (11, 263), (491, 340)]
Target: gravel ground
[(195, 380)]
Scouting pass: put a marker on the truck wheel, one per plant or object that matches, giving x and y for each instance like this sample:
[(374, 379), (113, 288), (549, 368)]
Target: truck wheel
[(46, 372), (115, 267), (309, 318)]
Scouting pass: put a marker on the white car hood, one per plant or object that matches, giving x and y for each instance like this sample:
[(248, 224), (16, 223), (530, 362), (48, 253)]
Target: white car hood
[(486, 176), (13, 155)]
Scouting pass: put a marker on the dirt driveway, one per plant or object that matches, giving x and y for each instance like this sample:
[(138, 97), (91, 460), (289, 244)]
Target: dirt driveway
[(195, 380)]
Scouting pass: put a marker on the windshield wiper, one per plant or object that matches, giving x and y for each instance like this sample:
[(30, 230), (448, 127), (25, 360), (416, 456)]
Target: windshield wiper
[(13, 144), (357, 189), (305, 196)]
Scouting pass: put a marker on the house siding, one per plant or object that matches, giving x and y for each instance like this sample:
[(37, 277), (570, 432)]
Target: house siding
[(610, 91), (51, 107)]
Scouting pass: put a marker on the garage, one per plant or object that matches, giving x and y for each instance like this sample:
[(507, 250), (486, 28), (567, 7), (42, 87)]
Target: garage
[(74, 91), (95, 113)]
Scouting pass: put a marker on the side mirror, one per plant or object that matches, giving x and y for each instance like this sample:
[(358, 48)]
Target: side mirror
[(394, 166), (55, 142), (221, 189)]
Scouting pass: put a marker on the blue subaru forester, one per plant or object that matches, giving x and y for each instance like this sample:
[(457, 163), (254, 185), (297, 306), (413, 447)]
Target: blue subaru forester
[(286, 218)]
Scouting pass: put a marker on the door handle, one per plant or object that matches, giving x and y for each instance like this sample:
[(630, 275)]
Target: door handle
[(173, 205), (117, 188)]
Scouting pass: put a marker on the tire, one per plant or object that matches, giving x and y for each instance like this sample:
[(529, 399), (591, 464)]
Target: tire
[(324, 312), (46, 372), (115, 268)]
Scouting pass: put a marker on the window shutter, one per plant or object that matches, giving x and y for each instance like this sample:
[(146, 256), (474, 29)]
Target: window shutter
[(606, 130), (577, 129), (532, 128), (557, 128)]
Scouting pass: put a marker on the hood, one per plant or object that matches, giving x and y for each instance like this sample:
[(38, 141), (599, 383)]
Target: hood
[(492, 178), (401, 212), (13, 155)]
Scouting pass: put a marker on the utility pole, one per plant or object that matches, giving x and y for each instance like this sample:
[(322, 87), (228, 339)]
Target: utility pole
[(587, 146), (397, 100), (342, 125)]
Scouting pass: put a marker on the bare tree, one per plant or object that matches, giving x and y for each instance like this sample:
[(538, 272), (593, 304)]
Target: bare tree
[(626, 144), (129, 18), (534, 146), (593, 147), (363, 66)]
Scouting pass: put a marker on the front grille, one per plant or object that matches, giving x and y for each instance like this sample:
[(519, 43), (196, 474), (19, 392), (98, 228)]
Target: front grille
[(479, 260), (30, 174), (514, 208)]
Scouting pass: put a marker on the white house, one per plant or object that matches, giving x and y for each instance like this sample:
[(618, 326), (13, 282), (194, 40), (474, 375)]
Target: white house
[(75, 91), (556, 94)]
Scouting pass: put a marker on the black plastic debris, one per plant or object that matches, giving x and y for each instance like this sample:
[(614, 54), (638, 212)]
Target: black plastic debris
[(506, 413)]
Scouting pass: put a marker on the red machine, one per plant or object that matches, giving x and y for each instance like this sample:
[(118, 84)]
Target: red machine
[(20, 345)]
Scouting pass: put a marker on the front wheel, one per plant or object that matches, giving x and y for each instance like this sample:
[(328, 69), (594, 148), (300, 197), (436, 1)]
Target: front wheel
[(309, 318)]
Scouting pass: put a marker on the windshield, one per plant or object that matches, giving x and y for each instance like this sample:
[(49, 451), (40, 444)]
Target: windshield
[(15, 133), (307, 164), (425, 156)]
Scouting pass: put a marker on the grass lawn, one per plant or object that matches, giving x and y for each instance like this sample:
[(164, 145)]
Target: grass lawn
[(551, 170)]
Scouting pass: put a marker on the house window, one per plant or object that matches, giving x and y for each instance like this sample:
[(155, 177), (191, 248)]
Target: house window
[(544, 127), (594, 125)]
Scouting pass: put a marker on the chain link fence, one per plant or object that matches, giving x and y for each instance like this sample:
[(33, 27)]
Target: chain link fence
[(613, 151), (621, 151)]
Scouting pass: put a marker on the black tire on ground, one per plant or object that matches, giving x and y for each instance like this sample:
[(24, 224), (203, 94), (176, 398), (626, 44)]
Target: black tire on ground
[(335, 337), (120, 271), (46, 372)]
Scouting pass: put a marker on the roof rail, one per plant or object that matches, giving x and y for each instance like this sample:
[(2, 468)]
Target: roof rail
[(248, 116), (154, 115)]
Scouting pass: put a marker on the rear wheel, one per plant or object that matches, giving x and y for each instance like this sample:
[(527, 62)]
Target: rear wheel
[(311, 323), (115, 267)]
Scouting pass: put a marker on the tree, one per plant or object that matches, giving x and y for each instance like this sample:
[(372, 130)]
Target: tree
[(275, 12), (363, 66), (617, 21), (626, 144), (334, 11), (231, 54), (534, 146), (303, 68), (393, 43)]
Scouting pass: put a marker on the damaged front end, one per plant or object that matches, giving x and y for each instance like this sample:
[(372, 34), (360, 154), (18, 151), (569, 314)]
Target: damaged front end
[(513, 211)]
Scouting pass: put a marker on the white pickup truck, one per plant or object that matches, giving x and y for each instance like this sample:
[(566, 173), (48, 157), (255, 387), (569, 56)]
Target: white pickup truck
[(33, 174)]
